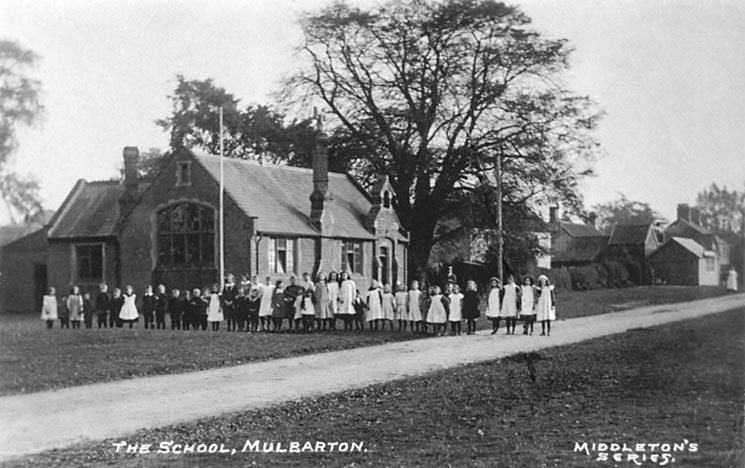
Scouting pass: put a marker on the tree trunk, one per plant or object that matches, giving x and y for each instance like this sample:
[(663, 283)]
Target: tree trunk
[(422, 223)]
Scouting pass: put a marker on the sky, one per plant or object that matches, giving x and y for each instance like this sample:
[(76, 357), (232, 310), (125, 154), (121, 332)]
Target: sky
[(669, 76)]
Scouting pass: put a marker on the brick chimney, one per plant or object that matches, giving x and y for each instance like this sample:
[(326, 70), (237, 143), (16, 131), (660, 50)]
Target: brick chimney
[(128, 199), (553, 214), (695, 216), (684, 212), (592, 218), (320, 215)]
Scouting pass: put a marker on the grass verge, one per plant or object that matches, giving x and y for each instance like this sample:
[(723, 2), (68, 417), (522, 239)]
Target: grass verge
[(664, 385), (33, 358)]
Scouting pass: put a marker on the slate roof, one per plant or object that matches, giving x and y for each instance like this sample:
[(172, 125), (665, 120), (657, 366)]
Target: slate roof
[(629, 234), (279, 197), (580, 230), (692, 246), (90, 211), (11, 232), (581, 250)]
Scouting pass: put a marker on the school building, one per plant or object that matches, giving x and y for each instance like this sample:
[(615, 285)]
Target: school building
[(279, 221)]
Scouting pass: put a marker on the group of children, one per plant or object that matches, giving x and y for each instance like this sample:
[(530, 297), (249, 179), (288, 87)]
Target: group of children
[(306, 305)]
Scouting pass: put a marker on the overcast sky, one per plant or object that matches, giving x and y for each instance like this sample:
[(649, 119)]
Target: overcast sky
[(670, 76)]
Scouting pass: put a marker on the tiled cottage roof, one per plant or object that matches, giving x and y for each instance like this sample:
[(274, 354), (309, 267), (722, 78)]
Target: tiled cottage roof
[(580, 230), (692, 246), (90, 211), (627, 234), (278, 196), (581, 250)]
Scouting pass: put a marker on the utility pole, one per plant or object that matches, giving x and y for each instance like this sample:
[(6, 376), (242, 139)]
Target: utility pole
[(500, 237)]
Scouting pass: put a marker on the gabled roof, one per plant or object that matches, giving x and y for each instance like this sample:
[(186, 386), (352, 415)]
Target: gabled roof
[(692, 246), (90, 211), (278, 196), (696, 227), (628, 234), (9, 233), (580, 230), (32, 241), (580, 250)]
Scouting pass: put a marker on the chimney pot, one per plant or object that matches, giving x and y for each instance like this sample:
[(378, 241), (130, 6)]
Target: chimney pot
[(131, 156), (684, 212), (553, 212)]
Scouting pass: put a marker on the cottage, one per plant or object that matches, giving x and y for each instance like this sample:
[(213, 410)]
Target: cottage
[(23, 272), (683, 261), (574, 244), (688, 225), (631, 245), (279, 221)]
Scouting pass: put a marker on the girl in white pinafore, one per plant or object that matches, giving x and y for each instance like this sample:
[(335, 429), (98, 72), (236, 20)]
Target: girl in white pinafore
[(389, 306), (508, 311), (527, 305), (402, 313), (265, 309), (333, 287), (456, 314), (49, 308), (545, 309), (214, 312), (492, 304), (374, 300), (415, 306), (347, 293), (129, 313), (436, 314)]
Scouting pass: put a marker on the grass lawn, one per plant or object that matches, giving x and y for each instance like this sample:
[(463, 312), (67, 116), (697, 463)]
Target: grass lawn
[(33, 358), (665, 385)]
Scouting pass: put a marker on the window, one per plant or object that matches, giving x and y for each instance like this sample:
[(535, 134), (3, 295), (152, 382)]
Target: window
[(281, 255), (384, 266), (710, 264), (183, 173), (186, 236), (89, 263), (351, 256), (386, 199)]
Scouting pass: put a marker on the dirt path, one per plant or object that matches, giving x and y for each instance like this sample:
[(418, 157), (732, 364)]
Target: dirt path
[(45, 420)]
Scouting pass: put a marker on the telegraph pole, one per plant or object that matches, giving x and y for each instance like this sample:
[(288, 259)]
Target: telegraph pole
[(500, 237)]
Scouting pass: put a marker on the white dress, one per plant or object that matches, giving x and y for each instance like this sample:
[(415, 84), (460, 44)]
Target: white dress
[(389, 306), (214, 312), (527, 301), (492, 303), (346, 297), (509, 302), (129, 309), (415, 306), (456, 314), (265, 309), (436, 312), (732, 280), (545, 309), (402, 312), (49, 308), (306, 306), (334, 297), (374, 305)]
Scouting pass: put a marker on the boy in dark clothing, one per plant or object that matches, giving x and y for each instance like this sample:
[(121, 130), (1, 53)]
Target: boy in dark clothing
[(229, 294), (175, 309), (359, 312), (87, 310), (103, 305), (148, 307), (161, 305)]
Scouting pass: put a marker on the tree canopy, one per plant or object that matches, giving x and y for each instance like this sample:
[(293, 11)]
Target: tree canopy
[(624, 211), (722, 210), (436, 91), (19, 106)]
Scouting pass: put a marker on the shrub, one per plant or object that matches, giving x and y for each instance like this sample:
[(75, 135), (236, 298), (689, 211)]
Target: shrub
[(618, 274), (592, 276), (559, 277)]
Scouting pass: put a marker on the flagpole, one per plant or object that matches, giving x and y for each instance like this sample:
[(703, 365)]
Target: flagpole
[(222, 209)]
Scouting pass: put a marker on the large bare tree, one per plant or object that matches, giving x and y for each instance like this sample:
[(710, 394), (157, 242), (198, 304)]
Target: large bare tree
[(436, 91)]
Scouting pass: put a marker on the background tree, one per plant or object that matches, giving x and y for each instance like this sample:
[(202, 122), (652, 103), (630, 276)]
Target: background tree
[(624, 211), (722, 210), (253, 132), (439, 90), (19, 106)]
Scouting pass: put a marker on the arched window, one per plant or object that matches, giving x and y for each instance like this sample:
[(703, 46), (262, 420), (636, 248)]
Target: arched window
[(386, 199), (186, 236)]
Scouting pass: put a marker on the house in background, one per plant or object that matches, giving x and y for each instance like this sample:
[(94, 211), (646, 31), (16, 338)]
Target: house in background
[(23, 273), (688, 225), (631, 245), (279, 221), (683, 261), (574, 244)]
